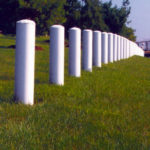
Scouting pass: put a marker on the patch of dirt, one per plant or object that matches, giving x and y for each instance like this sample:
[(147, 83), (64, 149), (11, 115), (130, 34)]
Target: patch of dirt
[(38, 48)]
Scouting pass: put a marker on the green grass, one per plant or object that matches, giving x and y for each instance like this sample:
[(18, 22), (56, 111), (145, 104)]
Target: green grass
[(108, 109)]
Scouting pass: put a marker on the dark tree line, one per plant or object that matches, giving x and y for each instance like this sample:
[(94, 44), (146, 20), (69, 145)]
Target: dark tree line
[(92, 14)]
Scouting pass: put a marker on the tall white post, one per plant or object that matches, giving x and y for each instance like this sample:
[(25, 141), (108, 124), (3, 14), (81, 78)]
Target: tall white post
[(75, 52), (115, 47), (24, 61), (97, 48), (110, 47), (56, 69), (124, 49), (128, 48), (87, 50), (104, 47), (121, 47), (118, 47)]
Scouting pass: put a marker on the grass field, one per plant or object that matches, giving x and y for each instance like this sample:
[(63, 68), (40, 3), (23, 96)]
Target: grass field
[(108, 109)]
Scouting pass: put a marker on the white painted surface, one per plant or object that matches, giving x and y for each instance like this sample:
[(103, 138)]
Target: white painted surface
[(97, 48), (87, 50), (118, 48), (110, 47), (24, 61), (115, 47), (75, 52), (57, 55), (104, 47)]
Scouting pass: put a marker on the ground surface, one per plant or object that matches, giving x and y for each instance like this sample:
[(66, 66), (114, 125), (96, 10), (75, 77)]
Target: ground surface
[(107, 109)]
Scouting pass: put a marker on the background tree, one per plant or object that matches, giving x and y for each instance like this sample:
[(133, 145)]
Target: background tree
[(128, 33), (91, 14), (72, 13), (44, 12), (115, 17), (8, 11)]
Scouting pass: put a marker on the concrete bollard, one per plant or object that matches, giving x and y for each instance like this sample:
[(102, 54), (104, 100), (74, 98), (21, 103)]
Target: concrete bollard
[(110, 47), (121, 47), (115, 47), (132, 49), (56, 70), (128, 49), (87, 50), (124, 48), (97, 48), (75, 52), (118, 47), (24, 61), (104, 47)]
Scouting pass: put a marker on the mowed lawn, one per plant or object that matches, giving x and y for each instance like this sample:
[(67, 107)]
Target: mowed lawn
[(108, 109)]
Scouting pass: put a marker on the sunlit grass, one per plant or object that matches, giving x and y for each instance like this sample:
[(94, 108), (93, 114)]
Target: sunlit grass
[(106, 109)]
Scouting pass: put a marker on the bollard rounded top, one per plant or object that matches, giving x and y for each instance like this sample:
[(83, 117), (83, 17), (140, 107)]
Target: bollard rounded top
[(115, 35), (96, 31), (57, 26), (75, 28), (87, 30), (118, 36), (104, 33), (26, 21), (109, 33)]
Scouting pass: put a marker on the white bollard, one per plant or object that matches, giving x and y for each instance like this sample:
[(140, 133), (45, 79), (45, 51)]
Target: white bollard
[(75, 52), (56, 69), (97, 48), (121, 47), (24, 61), (124, 48), (118, 47), (104, 47), (128, 48), (110, 47), (87, 50), (115, 47)]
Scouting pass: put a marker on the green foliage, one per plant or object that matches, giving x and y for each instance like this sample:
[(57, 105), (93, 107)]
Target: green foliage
[(92, 14), (117, 19), (107, 109), (114, 17), (45, 13), (72, 10), (128, 33), (8, 11), (95, 15), (85, 14)]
